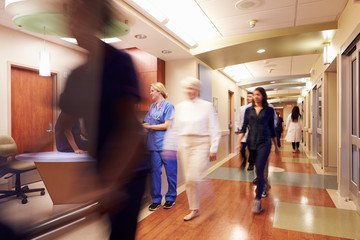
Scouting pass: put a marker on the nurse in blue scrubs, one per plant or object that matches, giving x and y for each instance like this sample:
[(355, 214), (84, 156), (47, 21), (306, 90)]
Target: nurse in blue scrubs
[(157, 121)]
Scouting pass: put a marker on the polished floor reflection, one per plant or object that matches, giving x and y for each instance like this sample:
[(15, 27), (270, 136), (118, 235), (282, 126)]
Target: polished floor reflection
[(299, 206)]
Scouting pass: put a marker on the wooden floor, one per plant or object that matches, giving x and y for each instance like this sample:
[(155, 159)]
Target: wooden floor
[(225, 209)]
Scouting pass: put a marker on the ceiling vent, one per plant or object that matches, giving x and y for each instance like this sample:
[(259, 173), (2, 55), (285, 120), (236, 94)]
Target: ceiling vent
[(247, 4)]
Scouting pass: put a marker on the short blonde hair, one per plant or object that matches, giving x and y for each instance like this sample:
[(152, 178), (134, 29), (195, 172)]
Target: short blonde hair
[(158, 86), (191, 82)]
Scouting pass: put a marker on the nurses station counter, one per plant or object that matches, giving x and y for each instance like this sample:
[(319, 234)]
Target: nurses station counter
[(68, 177)]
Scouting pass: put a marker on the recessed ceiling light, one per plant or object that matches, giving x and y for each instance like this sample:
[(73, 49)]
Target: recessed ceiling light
[(140, 36), (166, 51), (261, 51), (247, 4)]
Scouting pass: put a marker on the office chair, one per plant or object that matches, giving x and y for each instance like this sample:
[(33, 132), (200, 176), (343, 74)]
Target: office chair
[(8, 148)]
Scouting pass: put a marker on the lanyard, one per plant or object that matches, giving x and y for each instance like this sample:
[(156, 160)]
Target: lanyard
[(154, 106)]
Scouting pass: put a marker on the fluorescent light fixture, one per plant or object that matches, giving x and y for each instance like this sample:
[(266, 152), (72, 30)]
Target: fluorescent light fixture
[(237, 72), (106, 40), (44, 67), (272, 82), (261, 51), (151, 9), (72, 40), (181, 34), (111, 40)]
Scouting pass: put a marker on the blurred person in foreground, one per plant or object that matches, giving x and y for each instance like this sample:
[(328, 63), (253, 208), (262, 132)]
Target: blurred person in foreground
[(196, 132), (259, 119), (103, 92), (157, 121)]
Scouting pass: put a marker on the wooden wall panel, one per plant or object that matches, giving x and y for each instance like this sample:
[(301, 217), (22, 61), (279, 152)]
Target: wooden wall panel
[(149, 69)]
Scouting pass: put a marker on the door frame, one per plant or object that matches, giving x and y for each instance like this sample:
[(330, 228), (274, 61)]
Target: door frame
[(54, 74)]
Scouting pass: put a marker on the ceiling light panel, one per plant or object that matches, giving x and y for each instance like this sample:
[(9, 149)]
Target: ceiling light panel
[(188, 15), (238, 72), (151, 9)]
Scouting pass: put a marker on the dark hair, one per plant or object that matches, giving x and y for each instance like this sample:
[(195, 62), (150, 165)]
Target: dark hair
[(295, 114), (250, 93), (264, 95)]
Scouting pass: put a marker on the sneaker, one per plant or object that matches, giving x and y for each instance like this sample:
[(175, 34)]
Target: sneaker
[(250, 168), (265, 190), (294, 151), (256, 208), (169, 204), (154, 206)]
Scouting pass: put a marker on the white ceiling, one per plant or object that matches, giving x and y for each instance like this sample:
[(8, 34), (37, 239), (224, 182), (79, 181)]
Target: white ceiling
[(229, 27)]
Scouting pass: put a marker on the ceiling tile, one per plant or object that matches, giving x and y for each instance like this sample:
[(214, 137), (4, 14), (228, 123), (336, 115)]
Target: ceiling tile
[(302, 64)]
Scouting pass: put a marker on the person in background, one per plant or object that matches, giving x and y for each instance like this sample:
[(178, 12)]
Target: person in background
[(103, 92), (196, 132), (238, 123), (70, 140), (259, 119), (279, 127), (157, 121), (294, 128)]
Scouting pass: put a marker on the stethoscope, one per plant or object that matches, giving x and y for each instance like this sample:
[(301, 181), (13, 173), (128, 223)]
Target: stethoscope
[(158, 110)]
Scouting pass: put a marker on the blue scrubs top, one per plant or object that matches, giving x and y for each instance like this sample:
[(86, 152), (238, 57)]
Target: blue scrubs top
[(155, 116)]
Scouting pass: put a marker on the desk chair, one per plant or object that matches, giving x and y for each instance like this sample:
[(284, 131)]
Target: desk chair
[(8, 148)]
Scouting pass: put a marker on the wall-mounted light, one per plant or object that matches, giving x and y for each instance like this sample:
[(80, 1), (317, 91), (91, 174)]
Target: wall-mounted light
[(299, 100), (261, 51), (327, 53)]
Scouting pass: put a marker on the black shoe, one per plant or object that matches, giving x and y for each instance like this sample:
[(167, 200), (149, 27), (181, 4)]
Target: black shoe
[(169, 204), (154, 206), (243, 164), (255, 181), (250, 168)]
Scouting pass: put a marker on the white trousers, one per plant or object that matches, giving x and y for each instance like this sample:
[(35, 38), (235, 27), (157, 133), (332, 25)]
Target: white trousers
[(194, 157)]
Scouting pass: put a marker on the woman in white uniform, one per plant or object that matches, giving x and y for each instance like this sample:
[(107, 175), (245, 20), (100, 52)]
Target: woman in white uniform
[(196, 131), (294, 129)]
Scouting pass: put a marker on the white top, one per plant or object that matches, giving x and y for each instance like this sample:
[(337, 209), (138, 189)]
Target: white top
[(196, 117), (293, 130), (240, 120)]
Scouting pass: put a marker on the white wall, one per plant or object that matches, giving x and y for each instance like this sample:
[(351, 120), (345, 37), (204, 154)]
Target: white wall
[(23, 50)]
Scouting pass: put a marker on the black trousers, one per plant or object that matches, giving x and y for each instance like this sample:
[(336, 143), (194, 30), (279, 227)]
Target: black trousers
[(295, 143), (243, 151), (261, 155), (124, 221)]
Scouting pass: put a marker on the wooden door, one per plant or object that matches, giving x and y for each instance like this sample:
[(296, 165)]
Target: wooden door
[(31, 110)]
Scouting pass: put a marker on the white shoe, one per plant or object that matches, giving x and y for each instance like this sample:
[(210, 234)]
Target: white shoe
[(192, 215)]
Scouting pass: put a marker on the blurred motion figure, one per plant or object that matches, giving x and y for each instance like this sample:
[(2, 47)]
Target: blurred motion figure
[(103, 92), (197, 129)]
